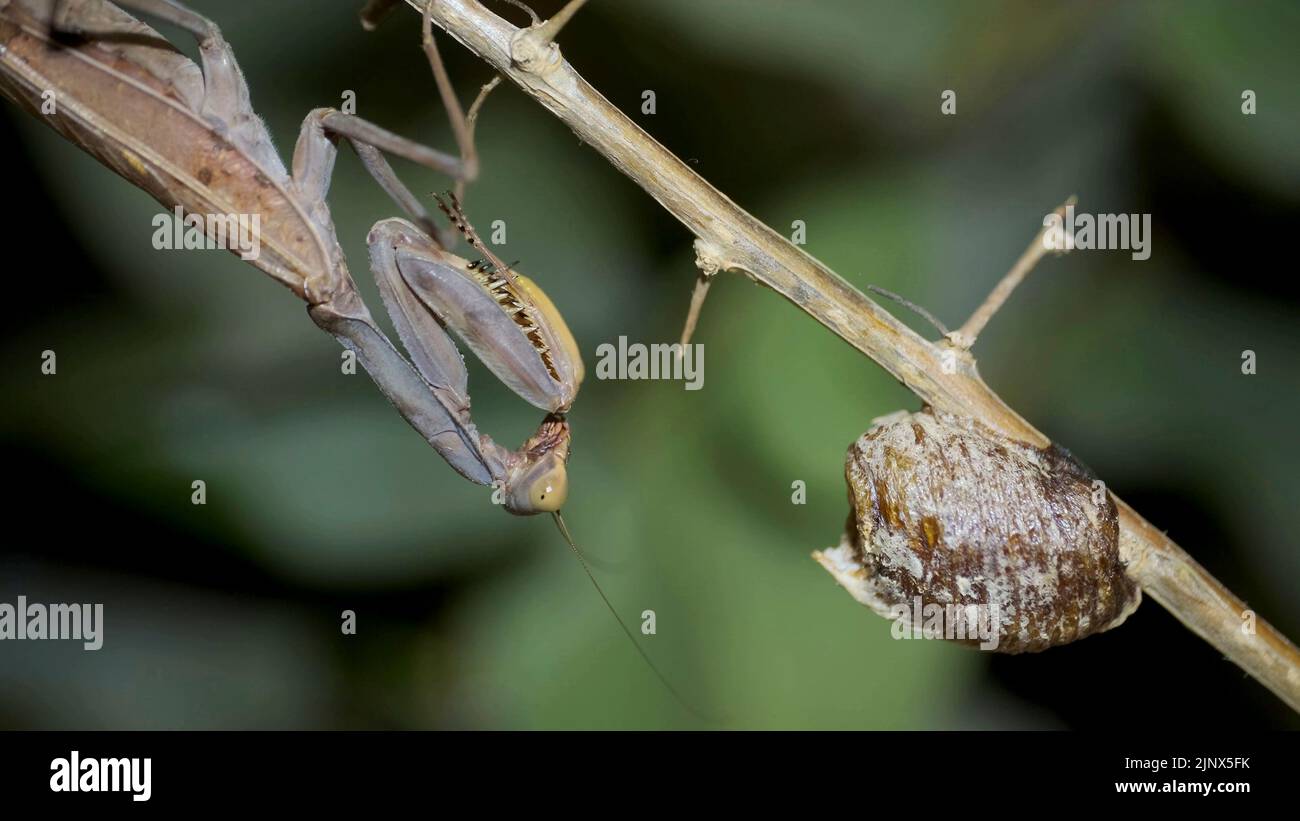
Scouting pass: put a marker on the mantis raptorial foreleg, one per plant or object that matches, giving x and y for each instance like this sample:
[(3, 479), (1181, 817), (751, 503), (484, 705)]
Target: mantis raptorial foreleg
[(516, 332)]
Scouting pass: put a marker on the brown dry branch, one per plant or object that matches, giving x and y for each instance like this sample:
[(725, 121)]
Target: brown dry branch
[(728, 239)]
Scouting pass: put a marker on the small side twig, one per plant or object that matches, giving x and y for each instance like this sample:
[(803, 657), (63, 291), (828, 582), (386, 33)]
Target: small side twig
[(964, 337), (693, 315), (548, 30), (471, 124)]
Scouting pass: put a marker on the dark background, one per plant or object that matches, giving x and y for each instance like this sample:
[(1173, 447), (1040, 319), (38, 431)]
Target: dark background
[(180, 366)]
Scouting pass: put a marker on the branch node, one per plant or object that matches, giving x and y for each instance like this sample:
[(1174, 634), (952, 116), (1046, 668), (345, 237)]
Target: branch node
[(709, 258), (534, 50), (958, 340), (534, 53)]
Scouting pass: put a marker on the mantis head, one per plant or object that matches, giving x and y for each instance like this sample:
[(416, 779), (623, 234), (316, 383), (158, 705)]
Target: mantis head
[(538, 481)]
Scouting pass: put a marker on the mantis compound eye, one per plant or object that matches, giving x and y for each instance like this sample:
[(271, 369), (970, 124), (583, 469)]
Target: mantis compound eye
[(538, 488), (550, 490)]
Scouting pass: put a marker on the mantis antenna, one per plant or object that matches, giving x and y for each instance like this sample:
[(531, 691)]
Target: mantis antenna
[(564, 531), (917, 309)]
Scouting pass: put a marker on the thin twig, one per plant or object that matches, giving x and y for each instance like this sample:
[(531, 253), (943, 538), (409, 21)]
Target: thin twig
[(551, 28), (471, 125), (965, 335), (471, 120), (736, 241), (693, 315)]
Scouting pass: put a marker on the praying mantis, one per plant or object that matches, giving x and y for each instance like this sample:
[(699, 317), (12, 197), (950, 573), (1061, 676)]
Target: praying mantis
[(190, 138)]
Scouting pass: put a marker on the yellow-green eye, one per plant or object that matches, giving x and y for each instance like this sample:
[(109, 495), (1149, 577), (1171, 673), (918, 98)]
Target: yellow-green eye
[(541, 487), (549, 490)]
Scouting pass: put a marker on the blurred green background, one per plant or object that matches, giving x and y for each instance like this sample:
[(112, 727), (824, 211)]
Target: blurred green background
[(174, 367)]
